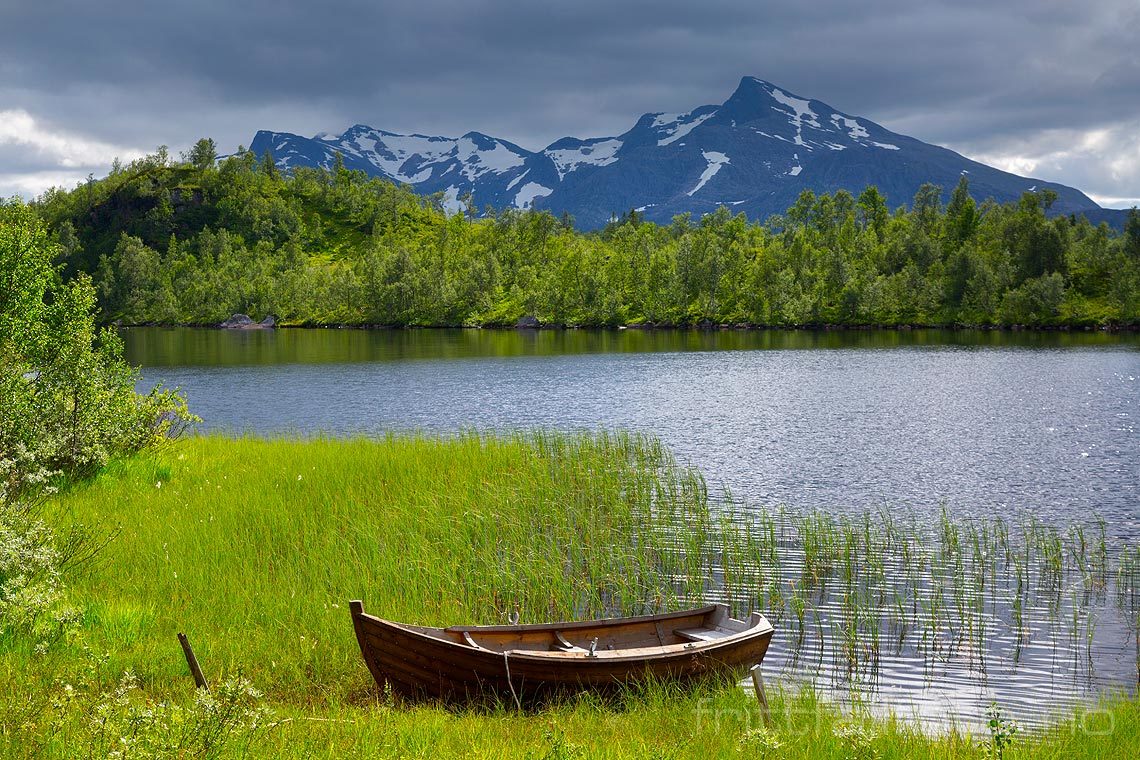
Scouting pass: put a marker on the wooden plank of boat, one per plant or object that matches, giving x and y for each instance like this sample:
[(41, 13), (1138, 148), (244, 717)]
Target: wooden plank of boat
[(526, 661)]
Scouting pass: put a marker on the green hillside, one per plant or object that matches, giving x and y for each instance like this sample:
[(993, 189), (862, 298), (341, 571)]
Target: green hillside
[(196, 240)]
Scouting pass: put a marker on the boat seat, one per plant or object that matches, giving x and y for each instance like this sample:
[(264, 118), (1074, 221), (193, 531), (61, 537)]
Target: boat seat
[(562, 644), (701, 634)]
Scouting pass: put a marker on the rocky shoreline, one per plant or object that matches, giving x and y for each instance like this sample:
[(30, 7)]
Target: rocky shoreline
[(530, 322)]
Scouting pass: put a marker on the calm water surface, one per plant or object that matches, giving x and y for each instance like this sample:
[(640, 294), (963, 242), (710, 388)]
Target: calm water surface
[(979, 423)]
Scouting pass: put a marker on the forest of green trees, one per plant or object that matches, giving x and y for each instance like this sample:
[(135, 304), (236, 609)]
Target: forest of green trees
[(196, 240)]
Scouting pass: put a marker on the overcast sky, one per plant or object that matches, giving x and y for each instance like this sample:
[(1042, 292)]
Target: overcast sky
[(1045, 88)]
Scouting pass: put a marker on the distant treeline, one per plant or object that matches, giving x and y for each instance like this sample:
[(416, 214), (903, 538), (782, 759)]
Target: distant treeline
[(196, 240)]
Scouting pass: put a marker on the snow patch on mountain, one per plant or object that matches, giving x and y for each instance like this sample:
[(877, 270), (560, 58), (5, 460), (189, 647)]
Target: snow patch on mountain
[(451, 202), (528, 192), (800, 113), (366, 144), (855, 130), (406, 146), (714, 160), (801, 109), (795, 170), (396, 155), (678, 127), (517, 179), (602, 153), (762, 133), (478, 161)]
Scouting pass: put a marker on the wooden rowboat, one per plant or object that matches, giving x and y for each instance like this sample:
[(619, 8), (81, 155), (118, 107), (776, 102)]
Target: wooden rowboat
[(527, 661)]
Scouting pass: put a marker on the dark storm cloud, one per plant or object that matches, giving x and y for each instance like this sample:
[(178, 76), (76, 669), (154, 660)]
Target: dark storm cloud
[(1041, 85)]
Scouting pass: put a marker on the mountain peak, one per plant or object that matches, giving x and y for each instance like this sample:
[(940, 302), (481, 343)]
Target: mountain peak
[(751, 100), (751, 86), (754, 153), (755, 98)]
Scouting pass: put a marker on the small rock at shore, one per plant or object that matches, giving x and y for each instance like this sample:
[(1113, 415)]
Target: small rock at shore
[(529, 322), (245, 322), (238, 321)]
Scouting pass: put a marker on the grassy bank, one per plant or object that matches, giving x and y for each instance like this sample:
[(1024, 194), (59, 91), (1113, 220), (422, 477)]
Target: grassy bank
[(253, 548)]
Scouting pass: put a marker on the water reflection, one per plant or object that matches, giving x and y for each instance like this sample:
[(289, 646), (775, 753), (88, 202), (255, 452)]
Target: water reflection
[(172, 347)]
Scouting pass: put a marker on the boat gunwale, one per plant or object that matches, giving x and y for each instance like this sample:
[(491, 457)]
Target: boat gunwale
[(761, 629), (571, 624)]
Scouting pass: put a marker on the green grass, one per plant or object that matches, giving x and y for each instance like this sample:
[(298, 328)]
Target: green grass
[(254, 547)]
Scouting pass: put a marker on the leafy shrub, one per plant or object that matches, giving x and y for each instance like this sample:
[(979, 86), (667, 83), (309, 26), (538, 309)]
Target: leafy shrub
[(67, 398), (84, 718), (67, 404), (1034, 302), (30, 587)]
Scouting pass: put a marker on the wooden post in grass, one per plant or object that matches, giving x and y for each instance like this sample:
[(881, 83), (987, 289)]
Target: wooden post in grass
[(192, 661), (761, 695)]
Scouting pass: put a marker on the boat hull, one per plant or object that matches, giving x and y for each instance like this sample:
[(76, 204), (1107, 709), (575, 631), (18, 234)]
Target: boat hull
[(511, 661)]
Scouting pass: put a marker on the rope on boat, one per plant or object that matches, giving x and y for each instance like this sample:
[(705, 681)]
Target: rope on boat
[(507, 665)]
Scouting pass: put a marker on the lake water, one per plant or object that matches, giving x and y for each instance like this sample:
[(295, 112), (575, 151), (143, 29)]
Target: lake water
[(978, 423)]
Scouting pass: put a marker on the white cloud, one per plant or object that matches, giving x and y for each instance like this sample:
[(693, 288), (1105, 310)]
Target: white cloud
[(1103, 162), (28, 185), (1108, 201), (61, 157), (18, 127)]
